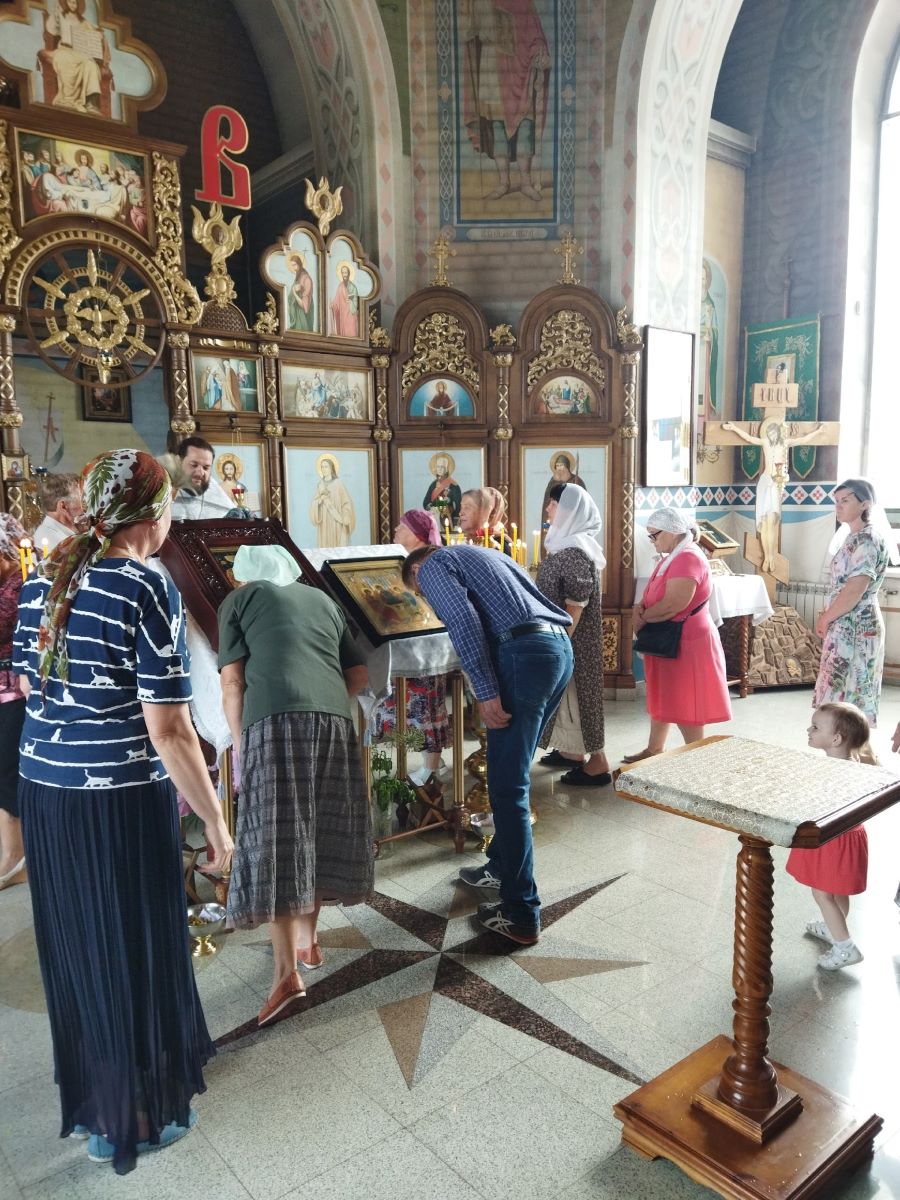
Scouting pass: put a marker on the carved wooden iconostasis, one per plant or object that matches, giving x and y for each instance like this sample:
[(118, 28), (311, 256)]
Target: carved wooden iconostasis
[(331, 424)]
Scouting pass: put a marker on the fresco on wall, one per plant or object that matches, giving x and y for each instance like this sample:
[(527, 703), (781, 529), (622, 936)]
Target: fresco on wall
[(330, 496), (508, 72), (710, 344), (544, 466), (441, 400), (294, 269), (337, 394), (565, 396), (436, 479), (348, 284), (73, 58), (58, 176)]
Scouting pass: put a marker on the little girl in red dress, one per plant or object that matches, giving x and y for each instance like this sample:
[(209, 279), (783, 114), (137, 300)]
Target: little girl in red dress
[(837, 870)]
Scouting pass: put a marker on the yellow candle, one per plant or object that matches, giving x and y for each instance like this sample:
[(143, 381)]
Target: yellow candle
[(515, 534), (537, 547), (446, 531), (45, 547), (487, 541), (22, 560)]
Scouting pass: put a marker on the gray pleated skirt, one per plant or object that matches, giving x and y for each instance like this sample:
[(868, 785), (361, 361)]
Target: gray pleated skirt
[(304, 825)]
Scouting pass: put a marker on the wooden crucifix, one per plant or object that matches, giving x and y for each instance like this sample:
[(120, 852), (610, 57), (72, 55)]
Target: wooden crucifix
[(775, 437)]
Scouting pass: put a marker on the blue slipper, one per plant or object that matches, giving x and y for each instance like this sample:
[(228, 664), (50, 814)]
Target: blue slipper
[(102, 1151), (80, 1133)]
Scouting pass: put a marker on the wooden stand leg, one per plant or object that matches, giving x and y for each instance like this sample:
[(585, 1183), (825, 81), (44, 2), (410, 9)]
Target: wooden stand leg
[(727, 1116), (747, 1094), (744, 658), (400, 723)]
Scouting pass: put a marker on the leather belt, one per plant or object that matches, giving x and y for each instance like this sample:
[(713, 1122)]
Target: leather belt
[(518, 631)]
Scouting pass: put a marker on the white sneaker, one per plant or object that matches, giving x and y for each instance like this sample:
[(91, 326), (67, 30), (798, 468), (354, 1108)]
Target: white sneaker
[(818, 929), (835, 958), (420, 777)]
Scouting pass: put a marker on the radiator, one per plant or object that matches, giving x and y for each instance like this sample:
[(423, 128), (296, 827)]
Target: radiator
[(807, 598)]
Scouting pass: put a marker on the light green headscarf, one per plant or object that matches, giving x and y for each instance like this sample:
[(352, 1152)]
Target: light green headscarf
[(272, 563)]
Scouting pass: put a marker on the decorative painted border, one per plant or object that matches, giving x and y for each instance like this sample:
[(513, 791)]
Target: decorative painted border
[(449, 107), (808, 495)]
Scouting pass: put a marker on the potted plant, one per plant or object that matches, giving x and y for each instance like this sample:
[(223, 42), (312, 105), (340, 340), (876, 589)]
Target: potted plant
[(392, 796)]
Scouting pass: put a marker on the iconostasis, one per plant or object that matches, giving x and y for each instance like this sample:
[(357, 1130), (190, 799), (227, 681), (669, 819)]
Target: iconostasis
[(329, 422)]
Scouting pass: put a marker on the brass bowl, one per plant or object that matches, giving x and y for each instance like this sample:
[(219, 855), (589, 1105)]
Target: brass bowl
[(211, 919)]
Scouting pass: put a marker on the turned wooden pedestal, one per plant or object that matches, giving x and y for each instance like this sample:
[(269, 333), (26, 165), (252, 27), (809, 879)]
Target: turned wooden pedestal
[(727, 1115)]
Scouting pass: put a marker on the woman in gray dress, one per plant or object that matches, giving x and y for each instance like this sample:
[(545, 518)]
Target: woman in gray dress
[(289, 669), (570, 577)]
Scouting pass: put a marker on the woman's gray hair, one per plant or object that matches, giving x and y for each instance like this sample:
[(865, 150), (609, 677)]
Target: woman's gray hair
[(174, 468), (862, 490)]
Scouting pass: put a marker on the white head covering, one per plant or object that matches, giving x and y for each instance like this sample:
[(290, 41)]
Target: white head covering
[(674, 520), (577, 523), (272, 563)]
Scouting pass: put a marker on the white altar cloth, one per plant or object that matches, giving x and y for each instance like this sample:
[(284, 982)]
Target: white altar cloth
[(739, 596)]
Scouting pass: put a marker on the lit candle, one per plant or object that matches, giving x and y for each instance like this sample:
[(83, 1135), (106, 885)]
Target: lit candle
[(45, 547), (487, 537), (515, 534), (23, 562), (537, 547), (446, 531), (30, 553)]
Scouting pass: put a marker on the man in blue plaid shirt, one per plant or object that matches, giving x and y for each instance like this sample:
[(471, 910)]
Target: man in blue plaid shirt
[(514, 647)]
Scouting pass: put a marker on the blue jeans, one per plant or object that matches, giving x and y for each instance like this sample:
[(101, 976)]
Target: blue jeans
[(533, 672)]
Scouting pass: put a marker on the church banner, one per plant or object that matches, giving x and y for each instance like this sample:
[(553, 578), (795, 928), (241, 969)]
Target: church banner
[(791, 349)]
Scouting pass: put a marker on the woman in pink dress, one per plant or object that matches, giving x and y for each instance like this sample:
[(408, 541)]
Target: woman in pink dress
[(689, 691)]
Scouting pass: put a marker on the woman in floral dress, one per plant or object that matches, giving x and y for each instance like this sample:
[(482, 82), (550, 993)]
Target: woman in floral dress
[(851, 623)]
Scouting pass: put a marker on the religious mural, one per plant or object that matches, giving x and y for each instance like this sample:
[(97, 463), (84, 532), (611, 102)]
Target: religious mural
[(511, 160), (75, 57), (565, 396), (330, 496), (241, 464), (544, 466), (436, 479), (711, 358), (333, 394), (84, 179), (223, 384), (440, 400), (348, 283), (295, 270)]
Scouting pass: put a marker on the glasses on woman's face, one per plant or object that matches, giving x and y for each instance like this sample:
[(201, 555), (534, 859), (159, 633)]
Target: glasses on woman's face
[(653, 536)]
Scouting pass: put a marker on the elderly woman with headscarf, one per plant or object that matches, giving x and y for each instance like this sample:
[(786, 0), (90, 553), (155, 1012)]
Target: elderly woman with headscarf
[(12, 706), (289, 668), (570, 577), (851, 623), (689, 691), (426, 695), (101, 653)]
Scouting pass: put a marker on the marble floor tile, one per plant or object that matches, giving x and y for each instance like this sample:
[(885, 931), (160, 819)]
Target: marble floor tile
[(625, 1174), (551, 1138), (678, 923), (399, 1168), (695, 999), (9, 1188), (29, 1132), (189, 1168)]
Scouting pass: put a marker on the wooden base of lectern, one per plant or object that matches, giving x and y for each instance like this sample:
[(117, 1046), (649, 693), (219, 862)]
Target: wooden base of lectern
[(825, 1140)]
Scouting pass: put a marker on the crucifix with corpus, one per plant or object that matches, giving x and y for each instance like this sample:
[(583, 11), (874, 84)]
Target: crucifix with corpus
[(775, 437)]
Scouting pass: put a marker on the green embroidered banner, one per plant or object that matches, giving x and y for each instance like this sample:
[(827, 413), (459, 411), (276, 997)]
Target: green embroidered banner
[(786, 345)]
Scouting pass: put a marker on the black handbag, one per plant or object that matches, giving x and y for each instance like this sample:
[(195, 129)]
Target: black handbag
[(661, 639)]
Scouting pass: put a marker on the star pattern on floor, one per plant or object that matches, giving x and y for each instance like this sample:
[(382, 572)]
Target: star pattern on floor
[(482, 974)]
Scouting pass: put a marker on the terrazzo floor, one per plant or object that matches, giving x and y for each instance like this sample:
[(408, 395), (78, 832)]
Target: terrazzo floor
[(433, 1060)]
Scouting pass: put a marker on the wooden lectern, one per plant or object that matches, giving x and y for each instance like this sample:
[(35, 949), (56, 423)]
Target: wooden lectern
[(726, 1115)]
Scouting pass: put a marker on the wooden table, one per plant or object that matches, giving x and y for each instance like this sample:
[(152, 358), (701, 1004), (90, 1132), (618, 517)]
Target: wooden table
[(743, 598), (726, 1115)]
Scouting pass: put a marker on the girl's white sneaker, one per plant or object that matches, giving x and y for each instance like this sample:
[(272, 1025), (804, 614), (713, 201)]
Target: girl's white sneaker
[(818, 929), (837, 958)]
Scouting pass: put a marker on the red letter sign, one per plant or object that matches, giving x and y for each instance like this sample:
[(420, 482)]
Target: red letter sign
[(224, 129)]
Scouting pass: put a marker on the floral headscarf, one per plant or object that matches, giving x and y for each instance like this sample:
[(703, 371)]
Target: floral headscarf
[(11, 533), (119, 488)]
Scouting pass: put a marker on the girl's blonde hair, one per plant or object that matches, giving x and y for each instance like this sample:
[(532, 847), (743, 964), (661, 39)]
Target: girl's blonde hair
[(851, 724)]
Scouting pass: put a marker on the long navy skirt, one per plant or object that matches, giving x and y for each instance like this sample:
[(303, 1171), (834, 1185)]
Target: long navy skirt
[(129, 1036)]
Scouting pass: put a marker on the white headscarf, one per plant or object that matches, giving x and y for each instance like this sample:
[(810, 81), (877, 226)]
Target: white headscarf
[(577, 523), (272, 563), (674, 520)]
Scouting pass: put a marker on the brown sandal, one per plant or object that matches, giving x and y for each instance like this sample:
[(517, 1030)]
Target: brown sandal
[(310, 957)]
